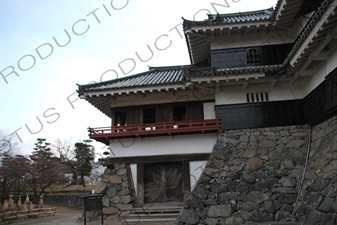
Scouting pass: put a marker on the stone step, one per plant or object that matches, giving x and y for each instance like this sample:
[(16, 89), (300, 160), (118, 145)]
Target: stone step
[(149, 220), (154, 210), (149, 223), (274, 223), (153, 215)]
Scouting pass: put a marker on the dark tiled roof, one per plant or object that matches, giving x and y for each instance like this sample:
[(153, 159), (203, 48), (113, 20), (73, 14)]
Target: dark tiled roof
[(212, 71), (307, 29), (234, 18), (253, 16), (155, 76)]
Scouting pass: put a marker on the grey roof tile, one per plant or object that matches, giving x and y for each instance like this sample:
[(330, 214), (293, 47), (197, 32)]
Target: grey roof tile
[(212, 71), (155, 76), (179, 74), (260, 15)]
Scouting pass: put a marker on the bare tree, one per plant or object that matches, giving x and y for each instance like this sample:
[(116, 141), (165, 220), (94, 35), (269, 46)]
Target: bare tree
[(12, 171), (8, 143), (39, 170), (8, 147), (64, 150), (42, 168)]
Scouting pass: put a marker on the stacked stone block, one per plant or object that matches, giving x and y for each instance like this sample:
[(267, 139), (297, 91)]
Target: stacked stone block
[(255, 175), (317, 202), (117, 200)]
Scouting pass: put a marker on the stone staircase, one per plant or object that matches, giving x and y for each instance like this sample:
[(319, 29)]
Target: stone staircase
[(274, 223), (166, 214), (162, 214)]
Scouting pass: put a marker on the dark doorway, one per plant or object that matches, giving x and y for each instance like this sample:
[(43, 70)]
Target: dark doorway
[(163, 182), (119, 118), (149, 115), (179, 113)]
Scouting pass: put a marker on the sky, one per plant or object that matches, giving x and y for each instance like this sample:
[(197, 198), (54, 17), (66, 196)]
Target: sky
[(48, 47)]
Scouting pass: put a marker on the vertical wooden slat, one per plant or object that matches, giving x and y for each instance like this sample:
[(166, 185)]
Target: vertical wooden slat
[(194, 111)]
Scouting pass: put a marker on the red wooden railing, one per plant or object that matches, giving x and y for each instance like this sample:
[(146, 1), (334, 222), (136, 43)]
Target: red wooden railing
[(155, 129)]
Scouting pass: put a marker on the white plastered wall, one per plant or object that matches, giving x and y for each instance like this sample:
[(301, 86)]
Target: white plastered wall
[(209, 112), (196, 168), (281, 91), (323, 69), (166, 145), (133, 168), (238, 40)]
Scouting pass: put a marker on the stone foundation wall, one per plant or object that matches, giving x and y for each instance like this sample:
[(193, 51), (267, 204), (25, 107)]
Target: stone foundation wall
[(317, 201), (68, 200), (255, 175), (117, 200)]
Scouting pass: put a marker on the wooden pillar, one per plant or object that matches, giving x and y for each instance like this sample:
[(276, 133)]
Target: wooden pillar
[(140, 185), (186, 184)]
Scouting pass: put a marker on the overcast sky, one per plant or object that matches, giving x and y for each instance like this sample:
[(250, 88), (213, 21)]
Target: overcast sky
[(38, 100)]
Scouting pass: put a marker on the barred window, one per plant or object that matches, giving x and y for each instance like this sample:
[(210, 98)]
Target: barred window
[(253, 56), (257, 97)]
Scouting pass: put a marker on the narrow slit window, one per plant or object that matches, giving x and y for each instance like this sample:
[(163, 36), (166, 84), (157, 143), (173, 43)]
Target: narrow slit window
[(257, 97)]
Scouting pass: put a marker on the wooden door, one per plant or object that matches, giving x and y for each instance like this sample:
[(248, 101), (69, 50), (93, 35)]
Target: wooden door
[(163, 182)]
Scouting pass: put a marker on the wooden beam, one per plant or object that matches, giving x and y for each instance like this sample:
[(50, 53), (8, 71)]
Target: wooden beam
[(157, 158), (244, 85)]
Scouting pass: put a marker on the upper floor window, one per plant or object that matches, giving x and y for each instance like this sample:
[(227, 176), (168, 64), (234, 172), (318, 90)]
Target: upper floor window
[(250, 56), (119, 118), (179, 113), (253, 56), (149, 115)]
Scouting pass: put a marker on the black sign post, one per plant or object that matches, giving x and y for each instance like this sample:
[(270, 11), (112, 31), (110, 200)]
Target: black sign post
[(92, 202)]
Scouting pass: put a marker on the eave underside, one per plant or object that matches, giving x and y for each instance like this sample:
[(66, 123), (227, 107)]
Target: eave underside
[(157, 158)]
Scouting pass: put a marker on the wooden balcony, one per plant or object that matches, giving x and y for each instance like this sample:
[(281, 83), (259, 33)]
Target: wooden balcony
[(105, 134)]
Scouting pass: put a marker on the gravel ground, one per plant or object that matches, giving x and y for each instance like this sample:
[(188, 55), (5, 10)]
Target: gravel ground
[(68, 216), (64, 216)]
